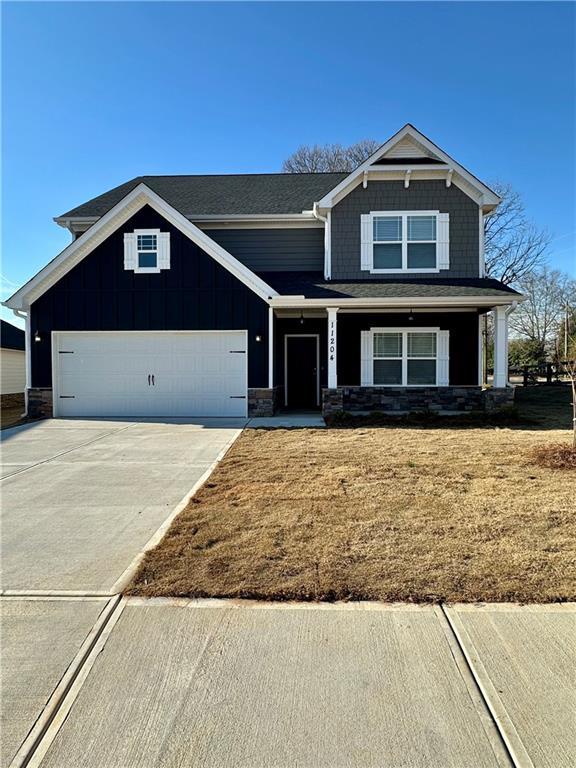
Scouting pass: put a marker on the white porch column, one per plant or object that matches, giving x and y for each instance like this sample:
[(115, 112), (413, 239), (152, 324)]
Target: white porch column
[(332, 348), (500, 346), (270, 347)]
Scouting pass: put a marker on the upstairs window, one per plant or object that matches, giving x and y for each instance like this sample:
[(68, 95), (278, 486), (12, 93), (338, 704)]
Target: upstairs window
[(146, 251), (147, 246), (414, 241)]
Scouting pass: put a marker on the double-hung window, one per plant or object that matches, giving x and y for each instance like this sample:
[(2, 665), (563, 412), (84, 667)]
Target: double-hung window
[(402, 357), (146, 251), (407, 241), (147, 247)]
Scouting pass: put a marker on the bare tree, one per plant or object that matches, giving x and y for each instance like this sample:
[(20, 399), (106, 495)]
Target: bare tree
[(329, 157), (513, 245), (540, 317)]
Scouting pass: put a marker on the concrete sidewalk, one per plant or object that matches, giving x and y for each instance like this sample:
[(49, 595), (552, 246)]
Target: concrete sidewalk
[(222, 683)]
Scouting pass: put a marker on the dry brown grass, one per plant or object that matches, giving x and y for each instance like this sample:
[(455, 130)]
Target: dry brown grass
[(375, 513)]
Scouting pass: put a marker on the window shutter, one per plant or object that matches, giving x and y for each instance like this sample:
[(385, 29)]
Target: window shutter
[(443, 241), (130, 255), (443, 358), (164, 250), (366, 372), (365, 241)]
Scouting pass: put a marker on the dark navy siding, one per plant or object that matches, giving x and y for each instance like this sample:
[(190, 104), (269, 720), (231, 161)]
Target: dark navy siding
[(463, 327), (196, 293), (274, 250)]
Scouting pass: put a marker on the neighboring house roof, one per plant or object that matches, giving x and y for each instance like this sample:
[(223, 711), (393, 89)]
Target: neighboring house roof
[(249, 194), (11, 337), (312, 285)]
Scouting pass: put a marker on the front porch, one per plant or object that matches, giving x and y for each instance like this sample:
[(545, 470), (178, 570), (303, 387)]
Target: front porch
[(340, 359)]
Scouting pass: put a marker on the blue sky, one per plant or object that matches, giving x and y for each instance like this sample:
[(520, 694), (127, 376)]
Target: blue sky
[(97, 93)]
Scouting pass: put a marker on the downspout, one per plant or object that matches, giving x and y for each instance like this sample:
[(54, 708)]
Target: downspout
[(327, 236), (28, 353)]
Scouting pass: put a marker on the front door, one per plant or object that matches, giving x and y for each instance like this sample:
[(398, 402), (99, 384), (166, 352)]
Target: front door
[(301, 381)]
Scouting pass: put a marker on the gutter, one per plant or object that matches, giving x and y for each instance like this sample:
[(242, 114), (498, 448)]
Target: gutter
[(28, 354), (487, 302), (327, 243)]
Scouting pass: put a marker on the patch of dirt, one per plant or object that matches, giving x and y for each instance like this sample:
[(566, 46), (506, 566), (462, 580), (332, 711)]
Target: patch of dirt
[(555, 456)]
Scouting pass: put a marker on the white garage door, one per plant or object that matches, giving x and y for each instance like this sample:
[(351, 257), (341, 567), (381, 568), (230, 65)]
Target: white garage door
[(197, 373)]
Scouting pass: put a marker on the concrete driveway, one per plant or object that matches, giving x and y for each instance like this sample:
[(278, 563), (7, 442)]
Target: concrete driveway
[(80, 499)]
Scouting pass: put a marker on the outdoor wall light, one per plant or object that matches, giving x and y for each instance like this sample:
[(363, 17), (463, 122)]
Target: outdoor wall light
[(37, 336), (258, 337)]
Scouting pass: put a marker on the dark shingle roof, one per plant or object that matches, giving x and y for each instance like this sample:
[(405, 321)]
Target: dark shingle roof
[(313, 286), (10, 336), (261, 193)]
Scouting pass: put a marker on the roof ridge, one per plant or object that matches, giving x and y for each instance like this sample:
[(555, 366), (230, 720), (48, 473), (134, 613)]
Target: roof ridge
[(220, 175)]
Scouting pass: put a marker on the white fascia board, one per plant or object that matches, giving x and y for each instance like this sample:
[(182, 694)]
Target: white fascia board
[(489, 197), (398, 301), (108, 224)]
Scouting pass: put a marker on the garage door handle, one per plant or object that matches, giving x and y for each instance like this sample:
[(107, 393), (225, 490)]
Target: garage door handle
[(237, 397), (149, 377), (153, 381)]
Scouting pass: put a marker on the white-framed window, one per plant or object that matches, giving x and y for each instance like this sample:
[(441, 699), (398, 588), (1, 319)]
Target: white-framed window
[(404, 241), (405, 357), (146, 251)]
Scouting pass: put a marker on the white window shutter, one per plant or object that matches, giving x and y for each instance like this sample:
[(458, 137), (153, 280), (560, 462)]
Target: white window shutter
[(130, 255), (365, 241), (443, 358), (443, 241), (164, 250), (366, 371)]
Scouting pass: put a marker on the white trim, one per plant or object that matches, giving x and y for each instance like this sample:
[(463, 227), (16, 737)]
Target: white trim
[(332, 347), (111, 222), (270, 347), (301, 336), (398, 301), (367, 220), (480, 352), (489, 198), (56, 365), (481, 244), (368, 375)]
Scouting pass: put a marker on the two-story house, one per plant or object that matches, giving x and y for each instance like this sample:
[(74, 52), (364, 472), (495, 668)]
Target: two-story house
[(237, 295)]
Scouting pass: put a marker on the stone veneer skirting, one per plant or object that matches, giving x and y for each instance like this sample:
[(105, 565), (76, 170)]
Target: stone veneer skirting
[(39, 403), (414, 399), (262, 402)]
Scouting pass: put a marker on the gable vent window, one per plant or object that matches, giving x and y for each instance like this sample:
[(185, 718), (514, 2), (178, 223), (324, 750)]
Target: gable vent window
[(146, 251), (407, 241)]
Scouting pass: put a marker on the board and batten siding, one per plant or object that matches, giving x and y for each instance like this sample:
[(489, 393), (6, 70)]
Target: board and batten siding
[(463, 341), (196, 293), (274, 250), (12, 371), (393, 196)]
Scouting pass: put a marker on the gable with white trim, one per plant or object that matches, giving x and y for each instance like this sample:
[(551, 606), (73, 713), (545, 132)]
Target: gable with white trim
[(113, 220)]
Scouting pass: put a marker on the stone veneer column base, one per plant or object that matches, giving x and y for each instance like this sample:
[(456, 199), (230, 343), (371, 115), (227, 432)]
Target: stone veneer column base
[(262, 401), (39, 403), (456, 399)]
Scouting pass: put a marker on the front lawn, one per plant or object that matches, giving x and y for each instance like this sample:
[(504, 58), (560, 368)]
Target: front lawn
[(389, 513)]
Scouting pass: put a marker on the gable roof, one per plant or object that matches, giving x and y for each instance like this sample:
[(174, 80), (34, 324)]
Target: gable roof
[(249, 194), (408, 151), (11, 337), (140, 196)]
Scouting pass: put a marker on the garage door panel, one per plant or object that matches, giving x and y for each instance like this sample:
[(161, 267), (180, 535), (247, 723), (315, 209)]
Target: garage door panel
[(194, 374)]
